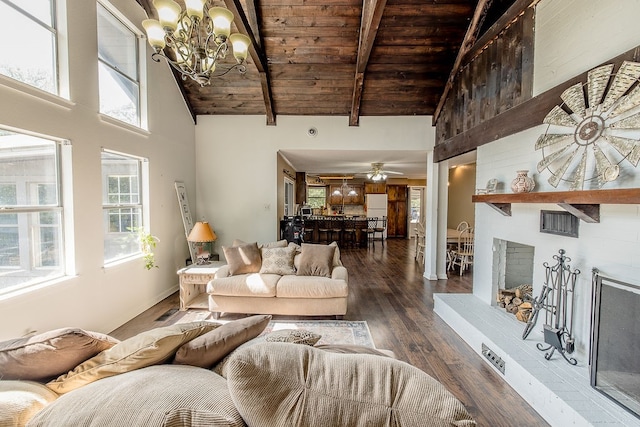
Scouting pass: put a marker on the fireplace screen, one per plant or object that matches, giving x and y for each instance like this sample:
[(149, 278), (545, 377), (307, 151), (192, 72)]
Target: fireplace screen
[(615, 341)]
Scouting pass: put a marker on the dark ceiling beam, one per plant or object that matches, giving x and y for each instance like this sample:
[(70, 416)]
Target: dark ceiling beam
[(469, 40), (257, 55), (151, 13), (371, 16)]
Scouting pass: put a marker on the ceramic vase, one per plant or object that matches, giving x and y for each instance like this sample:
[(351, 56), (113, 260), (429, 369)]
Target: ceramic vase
[(522, 183)]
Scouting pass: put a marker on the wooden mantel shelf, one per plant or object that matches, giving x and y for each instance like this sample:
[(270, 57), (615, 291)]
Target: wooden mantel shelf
[(583, 204)]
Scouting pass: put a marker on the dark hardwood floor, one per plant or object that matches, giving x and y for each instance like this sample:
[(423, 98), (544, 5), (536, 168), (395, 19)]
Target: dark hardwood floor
[(387, 290)]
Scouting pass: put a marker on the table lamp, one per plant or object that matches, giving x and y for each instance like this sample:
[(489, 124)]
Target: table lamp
[(202, 233)]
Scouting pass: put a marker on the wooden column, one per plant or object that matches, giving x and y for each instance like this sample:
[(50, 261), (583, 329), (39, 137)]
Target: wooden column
[(301, 188)]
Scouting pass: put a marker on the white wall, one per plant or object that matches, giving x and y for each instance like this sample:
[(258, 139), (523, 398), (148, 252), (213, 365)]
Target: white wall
[(97, 298), (236, 162), (572, 36)]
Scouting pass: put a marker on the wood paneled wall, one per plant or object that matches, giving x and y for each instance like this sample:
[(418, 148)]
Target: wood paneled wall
[(497, 79)]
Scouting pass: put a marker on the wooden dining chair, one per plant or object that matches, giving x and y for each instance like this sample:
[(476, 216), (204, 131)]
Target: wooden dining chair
[(462, 256), (380, 228)]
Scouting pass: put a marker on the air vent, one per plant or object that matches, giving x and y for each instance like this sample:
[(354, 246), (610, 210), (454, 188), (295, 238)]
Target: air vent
[(561, 223), (493, 358)]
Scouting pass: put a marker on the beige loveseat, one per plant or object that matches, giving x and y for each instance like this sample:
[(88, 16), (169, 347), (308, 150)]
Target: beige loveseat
[(280, 278), (207, 374)]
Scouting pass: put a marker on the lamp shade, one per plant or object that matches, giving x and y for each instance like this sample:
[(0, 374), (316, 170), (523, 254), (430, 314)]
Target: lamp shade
[(168, 12), (202, 232), (155, 33), (240, 44), (222, 19)]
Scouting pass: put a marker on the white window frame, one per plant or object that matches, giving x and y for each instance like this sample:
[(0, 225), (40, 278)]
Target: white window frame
[(142, 203), (60, 96), (30, 259), (141, 80)]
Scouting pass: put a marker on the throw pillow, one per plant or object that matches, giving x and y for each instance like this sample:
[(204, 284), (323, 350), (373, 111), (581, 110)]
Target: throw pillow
[(208, 349), (294, 336), (45, 356), (162, 395), (339, 389), (21, 400), (279, 244), (220, 368), (316, 260), (278, 260), (336, 255), (145, 349), (243, 259)]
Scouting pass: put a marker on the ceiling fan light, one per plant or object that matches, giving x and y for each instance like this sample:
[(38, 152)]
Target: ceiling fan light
[(336, 192), (240, 44), (352, 192), (222, 19), (369, 175)]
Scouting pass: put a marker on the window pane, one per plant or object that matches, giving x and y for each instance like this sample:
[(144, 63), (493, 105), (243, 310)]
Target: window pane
[(31, 243), (30, 252), (117, 45), (118, 69), (121, 178), (121, 238), (26, 159), (31, 59), (9, 250), (40, 9), (118, 96)]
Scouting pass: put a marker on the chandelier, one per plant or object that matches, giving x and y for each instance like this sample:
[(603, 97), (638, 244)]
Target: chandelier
[(344, 188), (197, 39)]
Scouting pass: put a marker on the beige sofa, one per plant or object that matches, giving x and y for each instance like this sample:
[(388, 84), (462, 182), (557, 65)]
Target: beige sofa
[(203, 374), (311, 282)]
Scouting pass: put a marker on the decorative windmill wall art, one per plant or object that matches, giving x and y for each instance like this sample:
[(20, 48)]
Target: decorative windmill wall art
[(594, 130)]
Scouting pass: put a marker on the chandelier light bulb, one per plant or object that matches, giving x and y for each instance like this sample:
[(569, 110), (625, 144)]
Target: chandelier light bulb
[(155, 33), (240, 44), (168, 12), (195, 8), (222, 19)]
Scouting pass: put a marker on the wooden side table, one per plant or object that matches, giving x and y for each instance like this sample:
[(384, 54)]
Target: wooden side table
[(193, 284)]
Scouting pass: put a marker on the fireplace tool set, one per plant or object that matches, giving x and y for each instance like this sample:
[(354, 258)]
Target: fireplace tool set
[(556, 299)]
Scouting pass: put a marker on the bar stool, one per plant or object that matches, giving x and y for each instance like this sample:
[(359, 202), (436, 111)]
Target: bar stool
[(371, 228), (324, 230), (349, 232), (309, 228), (335, 229)]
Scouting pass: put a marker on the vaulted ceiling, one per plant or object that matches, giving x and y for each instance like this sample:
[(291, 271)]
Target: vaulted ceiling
[(343, 57)]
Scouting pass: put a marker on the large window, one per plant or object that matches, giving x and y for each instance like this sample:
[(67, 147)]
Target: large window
[(31, 218), (122, 205), (28, 45), (317, 197), (118, 68)]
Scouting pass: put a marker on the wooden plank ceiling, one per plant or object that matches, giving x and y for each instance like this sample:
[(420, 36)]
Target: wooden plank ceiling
[(342, 57)]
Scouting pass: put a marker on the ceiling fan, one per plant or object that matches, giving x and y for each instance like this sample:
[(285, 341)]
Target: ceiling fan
[(378, 173)]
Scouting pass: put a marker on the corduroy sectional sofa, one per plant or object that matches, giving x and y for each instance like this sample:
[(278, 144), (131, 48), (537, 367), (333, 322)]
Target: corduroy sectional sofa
[(211, 374)]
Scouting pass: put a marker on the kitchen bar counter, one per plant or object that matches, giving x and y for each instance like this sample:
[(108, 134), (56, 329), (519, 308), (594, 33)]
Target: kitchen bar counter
[(314, 224)]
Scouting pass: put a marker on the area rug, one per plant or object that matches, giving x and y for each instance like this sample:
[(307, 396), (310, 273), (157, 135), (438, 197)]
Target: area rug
[(332, 331)]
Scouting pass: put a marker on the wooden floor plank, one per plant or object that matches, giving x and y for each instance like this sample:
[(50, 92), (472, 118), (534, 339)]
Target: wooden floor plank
[(387, 289)]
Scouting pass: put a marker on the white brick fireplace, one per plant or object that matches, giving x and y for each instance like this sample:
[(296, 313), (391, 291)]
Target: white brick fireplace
[(561, 393), (571, 37)]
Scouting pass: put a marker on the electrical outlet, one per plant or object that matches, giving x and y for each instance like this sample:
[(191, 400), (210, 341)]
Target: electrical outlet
[(493, 358)]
